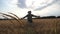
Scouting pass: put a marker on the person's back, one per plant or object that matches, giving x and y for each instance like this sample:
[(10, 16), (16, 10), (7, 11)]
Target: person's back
[(29, 17)]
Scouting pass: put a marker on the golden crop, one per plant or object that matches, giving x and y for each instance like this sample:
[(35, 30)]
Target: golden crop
[(39, 26)]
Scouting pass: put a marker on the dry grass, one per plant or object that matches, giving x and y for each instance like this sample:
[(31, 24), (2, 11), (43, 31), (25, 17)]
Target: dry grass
[(39, 26)]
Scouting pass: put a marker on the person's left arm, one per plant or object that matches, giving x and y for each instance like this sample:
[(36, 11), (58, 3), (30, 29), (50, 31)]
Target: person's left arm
[(34, 15)]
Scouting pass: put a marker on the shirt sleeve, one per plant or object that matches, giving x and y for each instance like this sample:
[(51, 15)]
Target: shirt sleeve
[(34, 15)]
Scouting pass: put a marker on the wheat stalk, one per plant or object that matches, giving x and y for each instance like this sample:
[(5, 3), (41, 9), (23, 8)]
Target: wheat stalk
[(8, 18), (16, 17), (11, 17)]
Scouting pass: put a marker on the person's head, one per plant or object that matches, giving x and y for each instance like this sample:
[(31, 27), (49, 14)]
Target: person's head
[(29, 12)]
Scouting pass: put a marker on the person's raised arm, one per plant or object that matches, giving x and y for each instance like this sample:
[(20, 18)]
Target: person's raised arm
[(24, 17), (36, 16)]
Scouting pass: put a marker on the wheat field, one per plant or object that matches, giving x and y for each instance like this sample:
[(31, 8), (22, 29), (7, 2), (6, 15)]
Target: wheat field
[(39, 26)]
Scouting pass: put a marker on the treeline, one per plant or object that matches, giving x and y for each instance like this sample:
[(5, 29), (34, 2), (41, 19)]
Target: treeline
[(47, 17)]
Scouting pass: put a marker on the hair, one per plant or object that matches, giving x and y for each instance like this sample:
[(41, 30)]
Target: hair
[(29, 11)]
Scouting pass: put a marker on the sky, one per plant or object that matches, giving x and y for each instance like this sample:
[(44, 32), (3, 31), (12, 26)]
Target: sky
[(38, 7)]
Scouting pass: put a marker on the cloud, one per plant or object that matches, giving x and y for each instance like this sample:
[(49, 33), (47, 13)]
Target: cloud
[(46, 5), (21, 7), (55, 10), (21, 3), (35, 5), (12, 6), (6, 5)]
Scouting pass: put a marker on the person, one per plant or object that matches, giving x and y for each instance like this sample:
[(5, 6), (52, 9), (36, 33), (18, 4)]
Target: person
[(29, 17)]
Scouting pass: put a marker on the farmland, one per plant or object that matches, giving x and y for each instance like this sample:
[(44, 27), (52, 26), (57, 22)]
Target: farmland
[(39, 26)]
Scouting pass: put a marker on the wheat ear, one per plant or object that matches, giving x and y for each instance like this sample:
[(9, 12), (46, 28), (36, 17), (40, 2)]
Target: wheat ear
[(11, 17)]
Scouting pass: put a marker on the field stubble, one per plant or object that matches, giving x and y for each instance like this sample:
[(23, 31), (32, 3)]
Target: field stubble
[(39, 26)]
